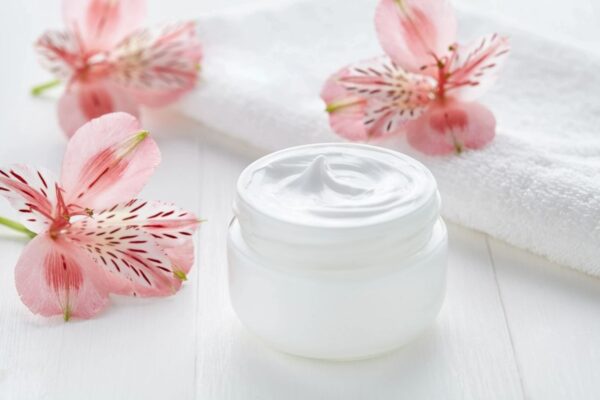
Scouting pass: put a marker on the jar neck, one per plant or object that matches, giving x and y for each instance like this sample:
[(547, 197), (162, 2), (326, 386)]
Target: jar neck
[(347, 255), (331, 248)]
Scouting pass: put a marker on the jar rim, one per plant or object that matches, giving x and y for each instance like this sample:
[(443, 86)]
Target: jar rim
[(425, 199)]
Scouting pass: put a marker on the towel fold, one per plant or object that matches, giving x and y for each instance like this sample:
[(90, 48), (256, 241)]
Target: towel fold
[(536, 186)]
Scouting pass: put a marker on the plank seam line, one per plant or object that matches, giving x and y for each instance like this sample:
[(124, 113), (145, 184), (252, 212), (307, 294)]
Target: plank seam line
[(197, 258), (510, 334)]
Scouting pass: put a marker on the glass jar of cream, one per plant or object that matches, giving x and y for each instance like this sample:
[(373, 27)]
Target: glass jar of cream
[(337, 251)]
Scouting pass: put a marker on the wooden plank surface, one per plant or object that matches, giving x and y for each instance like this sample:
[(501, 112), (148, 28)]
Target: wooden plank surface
[(513, 326), (554, 320)]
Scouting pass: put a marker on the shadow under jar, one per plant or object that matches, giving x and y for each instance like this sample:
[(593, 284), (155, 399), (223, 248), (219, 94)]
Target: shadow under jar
[(337, 251)]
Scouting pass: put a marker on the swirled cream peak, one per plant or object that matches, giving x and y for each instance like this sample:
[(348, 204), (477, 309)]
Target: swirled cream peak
[(337, 184), (318, 178)]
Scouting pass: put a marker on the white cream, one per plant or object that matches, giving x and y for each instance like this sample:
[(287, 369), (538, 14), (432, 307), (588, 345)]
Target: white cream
[(336, 251), (333, 185)]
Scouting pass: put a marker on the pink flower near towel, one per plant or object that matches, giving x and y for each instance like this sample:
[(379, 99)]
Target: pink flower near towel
[(425, 86), (111, 64), (91, 236)]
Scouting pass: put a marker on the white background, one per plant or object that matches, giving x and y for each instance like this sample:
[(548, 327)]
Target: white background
[(513, 326)]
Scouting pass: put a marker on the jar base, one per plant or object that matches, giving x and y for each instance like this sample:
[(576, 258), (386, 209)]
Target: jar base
[(341, 359), (344, 315)]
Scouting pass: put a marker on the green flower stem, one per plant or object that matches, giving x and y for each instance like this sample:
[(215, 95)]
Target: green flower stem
[(41, 88), (16, 226)]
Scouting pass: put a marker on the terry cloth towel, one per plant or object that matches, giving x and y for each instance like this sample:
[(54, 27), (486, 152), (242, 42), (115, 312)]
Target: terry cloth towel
[(536, 186)]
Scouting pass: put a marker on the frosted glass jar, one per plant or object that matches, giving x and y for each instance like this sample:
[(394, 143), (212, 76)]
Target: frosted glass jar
[(336, 251)]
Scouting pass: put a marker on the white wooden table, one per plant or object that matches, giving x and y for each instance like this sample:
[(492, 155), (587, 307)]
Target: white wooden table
[(513, 325)]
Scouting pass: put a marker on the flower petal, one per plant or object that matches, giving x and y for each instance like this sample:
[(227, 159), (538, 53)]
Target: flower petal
[(381, 78), (108, 160), (475, 67), (182, 258), (32, 191), (410, 31), (59, 53), (346, 111), (137, 264), (451, 127), (103, 23), (139, 228), (169, 225), (393, 95), (82, 102), (158, 65), (389, 95), (54, 277)]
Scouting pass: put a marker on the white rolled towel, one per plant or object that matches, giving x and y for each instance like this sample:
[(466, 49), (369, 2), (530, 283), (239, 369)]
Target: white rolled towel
[(536, 186)]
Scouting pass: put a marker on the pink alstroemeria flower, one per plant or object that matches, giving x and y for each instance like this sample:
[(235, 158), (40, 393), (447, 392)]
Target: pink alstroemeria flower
[(424, 86), (110, 64), (91, 237)]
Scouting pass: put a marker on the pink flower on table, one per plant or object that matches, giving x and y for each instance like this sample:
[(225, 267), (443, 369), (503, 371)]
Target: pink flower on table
[(111, 64), (91, 236), (425, 86)]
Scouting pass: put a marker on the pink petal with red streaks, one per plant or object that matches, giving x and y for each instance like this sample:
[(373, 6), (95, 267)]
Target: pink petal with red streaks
[(103, 23), (169, 225), (387, 96), (59, 52), (54, 277), (138, 266), (158, 65), (393, 95), (450, 127), (410, 31), (182, 257), (82, 102), (346, 110), (32, 192), (107, 161), (475, 67)]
